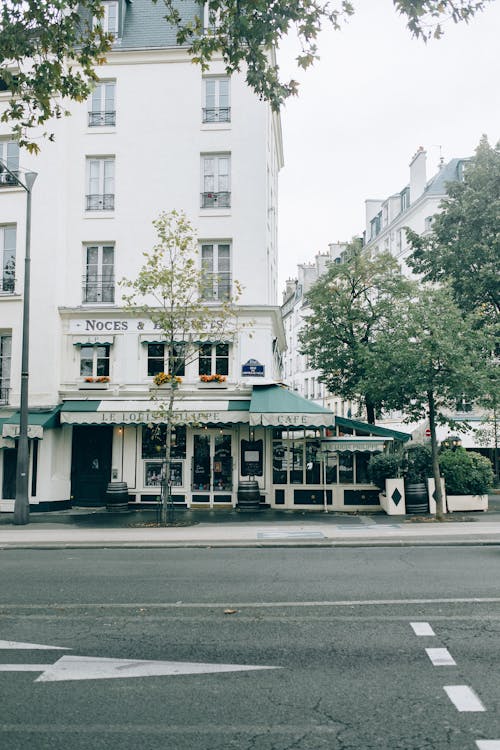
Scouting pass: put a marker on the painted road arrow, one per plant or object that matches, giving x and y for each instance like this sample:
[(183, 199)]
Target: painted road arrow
[(92, 668)]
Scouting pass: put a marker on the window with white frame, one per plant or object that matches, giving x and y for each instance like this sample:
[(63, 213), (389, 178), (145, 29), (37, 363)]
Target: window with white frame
[(216, 103), (94, 360), (216, 181), (5, 359), (109, 19), (102, 108), (213, 359), (7, 258), (99, 276), (100, 183), (9, 156), (162, 358), (405, 199), (216, 270)]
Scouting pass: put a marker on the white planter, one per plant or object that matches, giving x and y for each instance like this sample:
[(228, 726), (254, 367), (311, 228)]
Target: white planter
[(93, 386), (467, 502), (393, 500)]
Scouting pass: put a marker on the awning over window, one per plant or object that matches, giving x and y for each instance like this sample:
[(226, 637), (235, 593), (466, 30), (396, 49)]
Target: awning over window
[(276, 406), (354, 444), (186, 411), (38, 420), (92, 340)]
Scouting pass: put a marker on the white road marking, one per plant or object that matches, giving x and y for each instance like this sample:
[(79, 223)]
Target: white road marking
[(30, 646), (422, 628), (463, 698), (440, 657), (23, 667), (290, 535), (91, 668), (488, 744)]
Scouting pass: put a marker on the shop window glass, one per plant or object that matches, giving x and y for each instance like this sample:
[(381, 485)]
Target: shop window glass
[(362, 468), (346, 468), (154, 440), (279, 462), (313, 462)]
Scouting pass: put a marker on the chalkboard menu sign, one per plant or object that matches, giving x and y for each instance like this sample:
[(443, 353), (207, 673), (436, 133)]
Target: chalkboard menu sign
[(252, 453)]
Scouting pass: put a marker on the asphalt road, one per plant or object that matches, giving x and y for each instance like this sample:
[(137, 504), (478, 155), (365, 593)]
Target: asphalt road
[(349, 671)]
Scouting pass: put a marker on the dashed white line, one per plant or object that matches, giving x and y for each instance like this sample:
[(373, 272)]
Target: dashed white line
[(440, 657), (422, 628), (463, 698), (488, 744)]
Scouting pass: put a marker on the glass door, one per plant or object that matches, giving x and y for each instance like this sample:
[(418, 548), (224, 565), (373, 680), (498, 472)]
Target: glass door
[(212, 472)]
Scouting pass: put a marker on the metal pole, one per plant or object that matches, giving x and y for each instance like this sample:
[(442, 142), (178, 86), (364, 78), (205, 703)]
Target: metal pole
[(21, 505)]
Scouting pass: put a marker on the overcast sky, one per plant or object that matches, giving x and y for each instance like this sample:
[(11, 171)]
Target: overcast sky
[(375, 96)]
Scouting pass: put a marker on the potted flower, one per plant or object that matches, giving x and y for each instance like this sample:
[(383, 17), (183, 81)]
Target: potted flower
[(213, 379), (101, 381), (468, 476), (165, 379)]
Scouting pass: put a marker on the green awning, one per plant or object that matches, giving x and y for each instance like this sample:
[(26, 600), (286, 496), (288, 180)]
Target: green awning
[(372, 429), (38, 420), (276, 406), (217, 411)]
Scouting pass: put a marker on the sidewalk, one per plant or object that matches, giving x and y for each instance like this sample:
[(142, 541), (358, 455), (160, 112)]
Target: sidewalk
[(87, 527)]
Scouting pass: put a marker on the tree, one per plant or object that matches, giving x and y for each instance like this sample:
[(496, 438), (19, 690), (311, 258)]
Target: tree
[(464, 245), (170, 290), (428, 356), (347, 309), (51, 47)]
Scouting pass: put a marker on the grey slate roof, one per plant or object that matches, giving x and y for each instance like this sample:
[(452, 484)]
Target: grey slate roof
[(144, 25), (449, 173)]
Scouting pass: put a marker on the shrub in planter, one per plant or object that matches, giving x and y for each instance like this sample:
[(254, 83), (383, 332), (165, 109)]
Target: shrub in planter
[(383, 466), (417, 464), (465, 472)]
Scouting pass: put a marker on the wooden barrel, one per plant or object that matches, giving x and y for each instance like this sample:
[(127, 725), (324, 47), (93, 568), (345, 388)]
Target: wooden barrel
[(117, 497), (248, 495), (416, 498)]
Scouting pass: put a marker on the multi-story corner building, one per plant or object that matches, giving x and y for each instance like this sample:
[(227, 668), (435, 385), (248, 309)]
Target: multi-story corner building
[(155, 135)]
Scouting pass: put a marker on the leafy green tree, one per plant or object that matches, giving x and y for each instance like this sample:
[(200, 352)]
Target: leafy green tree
[(464, 245), (49, 48), (427, 357), (346, 310), (169, 289)]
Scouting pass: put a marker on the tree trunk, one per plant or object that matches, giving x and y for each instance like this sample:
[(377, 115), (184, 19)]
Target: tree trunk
[(370, 411), (167, 506), (435, 461)]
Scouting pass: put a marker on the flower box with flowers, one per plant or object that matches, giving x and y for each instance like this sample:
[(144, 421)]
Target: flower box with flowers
[(165, 381), (213, 381), (99, 383)]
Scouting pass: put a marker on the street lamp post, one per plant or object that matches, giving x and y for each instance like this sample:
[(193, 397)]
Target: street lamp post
[(21, 505)]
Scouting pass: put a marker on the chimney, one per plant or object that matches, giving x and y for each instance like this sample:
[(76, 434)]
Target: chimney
[(418, 174)]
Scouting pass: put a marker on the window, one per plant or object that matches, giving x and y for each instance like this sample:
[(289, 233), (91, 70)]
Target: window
[(463, 404), (405, 199), (213, 359), (154, 440), (9, 155), (5, 357), (428, 223), (94, 360), (100, 184), (7, 258), (109, 20), (158, 361), (102, 110), (216, 189), (216, 100), (99, 278), (216, 271)]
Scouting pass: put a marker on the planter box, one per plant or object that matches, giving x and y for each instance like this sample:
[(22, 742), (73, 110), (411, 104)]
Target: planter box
[(393, 499), (93, 386), (211, 386), (467, 502)]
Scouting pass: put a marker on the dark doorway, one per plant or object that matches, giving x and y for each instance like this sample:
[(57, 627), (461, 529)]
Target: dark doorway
[(9, 473), (90, 464)]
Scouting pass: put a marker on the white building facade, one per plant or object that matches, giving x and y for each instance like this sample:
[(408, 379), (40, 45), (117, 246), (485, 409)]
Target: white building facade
[(156, 135)]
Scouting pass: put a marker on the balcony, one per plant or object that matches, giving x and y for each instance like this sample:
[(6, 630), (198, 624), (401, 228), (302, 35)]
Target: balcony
[(98, 289), (216, 200), (216, 287), (4, 394), (7, 283), (100, 202), (216, 114), (6, 179), (101, 119)]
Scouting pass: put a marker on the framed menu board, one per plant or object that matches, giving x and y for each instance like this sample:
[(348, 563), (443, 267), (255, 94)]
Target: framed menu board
[(252, 455)]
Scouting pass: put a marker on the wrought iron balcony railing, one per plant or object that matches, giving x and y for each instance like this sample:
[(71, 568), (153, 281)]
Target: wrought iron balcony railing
[(216, 200), (98, 289), (7, 283), (216, 286), (216, 114), (101, 119), (7, 179), (100, 202), (4, 393)]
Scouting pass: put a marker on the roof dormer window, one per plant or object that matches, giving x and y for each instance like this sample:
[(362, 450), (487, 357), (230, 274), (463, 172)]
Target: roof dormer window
[(109, 19)]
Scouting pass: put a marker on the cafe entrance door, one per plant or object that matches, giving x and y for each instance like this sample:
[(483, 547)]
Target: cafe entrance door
[(212, 475)]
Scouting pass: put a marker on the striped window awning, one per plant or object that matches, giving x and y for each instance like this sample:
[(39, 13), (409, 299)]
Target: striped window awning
[(186, 411)]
